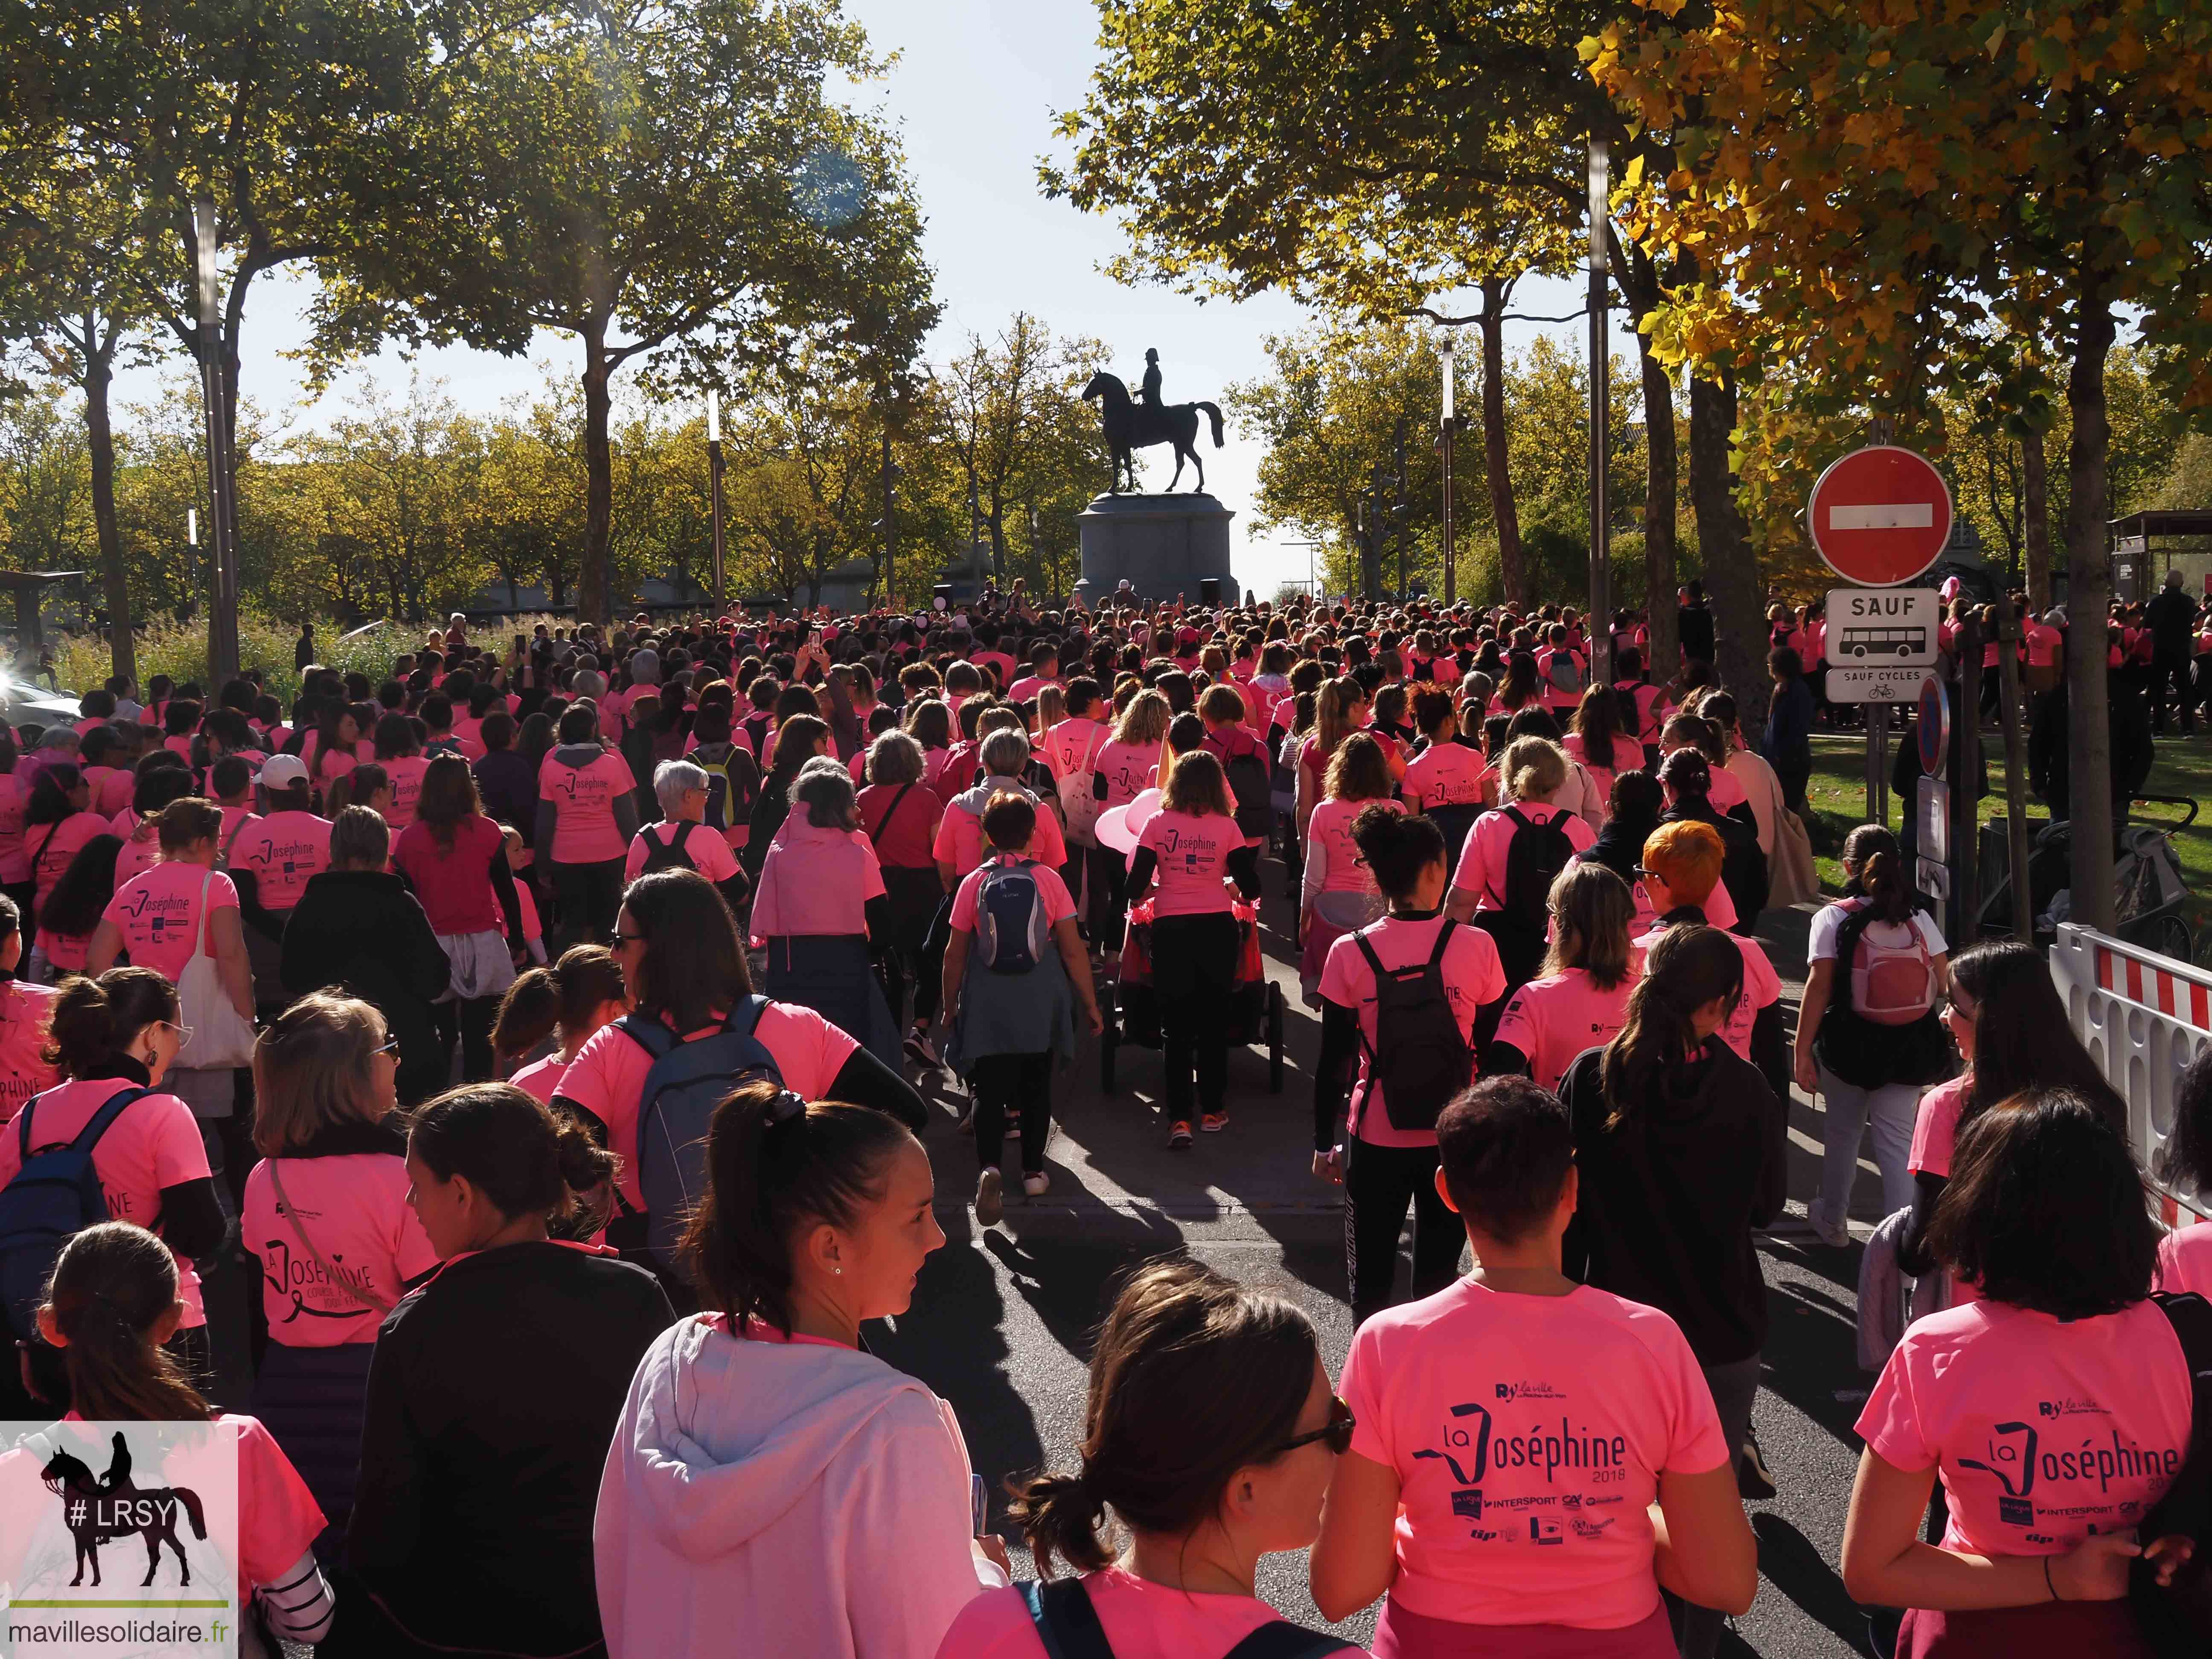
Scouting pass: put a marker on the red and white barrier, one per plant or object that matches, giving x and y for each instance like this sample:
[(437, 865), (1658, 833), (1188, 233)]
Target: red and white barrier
[(2144, 1017)]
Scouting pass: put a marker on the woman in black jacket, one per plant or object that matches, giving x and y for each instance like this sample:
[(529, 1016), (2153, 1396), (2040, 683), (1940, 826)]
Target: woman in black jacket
[(359, 928), (1681, 1145), (493, 1394), (1688, 778)]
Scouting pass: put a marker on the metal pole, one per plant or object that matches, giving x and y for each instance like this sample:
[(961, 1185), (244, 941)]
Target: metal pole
[(715, 494), (2023, 910), (1600, 571), (222, 565), (1877, 763), (891, 535), (1448, 426), (1965, 918)]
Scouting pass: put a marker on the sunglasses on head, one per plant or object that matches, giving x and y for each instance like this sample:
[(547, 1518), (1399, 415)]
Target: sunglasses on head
[(1337, 1431)]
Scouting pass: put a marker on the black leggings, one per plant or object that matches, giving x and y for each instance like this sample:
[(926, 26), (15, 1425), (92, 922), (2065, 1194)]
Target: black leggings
[(1105, 895), (1194, 969), (1378, 1183), (1015, 1086), (469, 1021), (588, 894)]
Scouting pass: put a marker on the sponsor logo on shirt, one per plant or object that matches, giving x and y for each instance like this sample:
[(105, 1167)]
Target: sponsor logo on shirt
[(2069, 1407), (2014, 1454), (1510, 1391), (1475, 1443)]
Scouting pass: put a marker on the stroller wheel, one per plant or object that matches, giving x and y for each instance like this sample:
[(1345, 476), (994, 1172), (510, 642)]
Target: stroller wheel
[(1274, 1038), (2169, 935)]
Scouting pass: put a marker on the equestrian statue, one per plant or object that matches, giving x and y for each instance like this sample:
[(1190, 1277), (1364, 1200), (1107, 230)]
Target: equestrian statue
[(1139, 422)]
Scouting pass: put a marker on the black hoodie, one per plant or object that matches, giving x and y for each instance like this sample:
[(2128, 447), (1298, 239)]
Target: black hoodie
[(363, 932)]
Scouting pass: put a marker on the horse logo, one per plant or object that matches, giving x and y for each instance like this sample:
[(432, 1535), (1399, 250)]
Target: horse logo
[(99, 1512), (1131, 425)]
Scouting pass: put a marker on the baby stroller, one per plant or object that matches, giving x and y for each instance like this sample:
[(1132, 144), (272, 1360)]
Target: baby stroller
[(2149, 892), (1255, 1002)]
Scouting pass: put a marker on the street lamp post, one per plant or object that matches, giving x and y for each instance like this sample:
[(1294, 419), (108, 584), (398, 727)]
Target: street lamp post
[(714, 492), (1444, 446), (222, 565), (1600, 571)]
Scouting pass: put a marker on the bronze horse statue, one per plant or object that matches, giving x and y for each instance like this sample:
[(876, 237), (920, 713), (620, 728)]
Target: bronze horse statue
[(1131, 426)]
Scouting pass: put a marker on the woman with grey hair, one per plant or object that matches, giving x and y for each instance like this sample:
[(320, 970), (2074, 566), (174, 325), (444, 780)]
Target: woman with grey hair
[(682, 839), (959, 847), (900, 812), (820, 907)]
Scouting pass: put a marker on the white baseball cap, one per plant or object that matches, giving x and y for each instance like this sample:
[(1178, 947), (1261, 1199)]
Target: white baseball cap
[(283, 771)]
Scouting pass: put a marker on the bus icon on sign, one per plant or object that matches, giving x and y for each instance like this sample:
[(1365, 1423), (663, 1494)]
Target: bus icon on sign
[(1903, 643)]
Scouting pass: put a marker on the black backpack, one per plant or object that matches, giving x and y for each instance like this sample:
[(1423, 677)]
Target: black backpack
[(1251, 781), (1067, 1626), (1420, 1058), (668, 854), (1533, 859)]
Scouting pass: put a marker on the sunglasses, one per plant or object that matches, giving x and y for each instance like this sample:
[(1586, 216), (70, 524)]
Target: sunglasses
[(389, 1046), (1337, 1431)]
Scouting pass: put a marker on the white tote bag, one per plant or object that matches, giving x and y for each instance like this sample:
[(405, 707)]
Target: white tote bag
[(221, 1037)]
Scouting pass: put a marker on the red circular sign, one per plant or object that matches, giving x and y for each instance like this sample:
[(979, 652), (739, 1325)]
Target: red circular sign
[(1880, 515)]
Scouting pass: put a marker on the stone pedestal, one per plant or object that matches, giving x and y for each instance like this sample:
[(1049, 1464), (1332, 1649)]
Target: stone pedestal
[(1162, 546)]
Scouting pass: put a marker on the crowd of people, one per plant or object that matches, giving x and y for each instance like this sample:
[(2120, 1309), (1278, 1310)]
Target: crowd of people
[(546, 1030)]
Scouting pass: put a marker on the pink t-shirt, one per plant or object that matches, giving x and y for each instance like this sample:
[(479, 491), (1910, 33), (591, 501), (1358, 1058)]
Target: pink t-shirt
[(2043, 1431), (1473, 976), (160, 915), (1451, 773), (1762, 986), (541, 1078), (583, 797), (1936, 1127), (141, 845), (1128, 769), (607, 1076), (1332, 853), (284, 850), (1027, 687), (1192, 850), (15, 854), (1139, 1620), (111, 787), (66, 952), (1651, 705), (960, 839), (1052, 893), (54, 845), (1482, 861), (2184, 1260), (405, 772), (1528, 1434), (353, 1209), (2044, 644), (1069, 748), (710, 854), (154, 1144), (1551, 1020), (816, 879), (25, 1010)]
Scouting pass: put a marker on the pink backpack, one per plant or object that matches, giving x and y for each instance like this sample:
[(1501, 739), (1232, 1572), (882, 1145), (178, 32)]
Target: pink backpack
[(1891, 984)]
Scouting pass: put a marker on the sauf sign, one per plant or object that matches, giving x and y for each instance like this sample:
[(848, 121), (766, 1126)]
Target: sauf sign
[(1882, 642)]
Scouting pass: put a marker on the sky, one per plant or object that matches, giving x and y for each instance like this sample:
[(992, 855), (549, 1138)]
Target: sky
[(973, 93)]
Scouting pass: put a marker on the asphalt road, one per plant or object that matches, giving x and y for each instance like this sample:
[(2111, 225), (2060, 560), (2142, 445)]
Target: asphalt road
[(1002, 1319)]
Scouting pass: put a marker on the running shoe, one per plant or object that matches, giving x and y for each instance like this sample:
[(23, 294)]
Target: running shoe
[(1037, 1183), (921, 1049), (1214, 1123), (990, 1198), (1835, 1234), (1178, 1136)]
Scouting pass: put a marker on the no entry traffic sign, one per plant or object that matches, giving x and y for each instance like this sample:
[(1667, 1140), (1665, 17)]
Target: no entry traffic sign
[(1880, 515)]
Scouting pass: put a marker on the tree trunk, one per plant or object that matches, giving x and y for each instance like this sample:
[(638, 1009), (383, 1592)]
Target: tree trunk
[(2088, 594), (1724, 555), (1660, 468), (115, 580), (2036, 486), (1512, 569), (594, 584)]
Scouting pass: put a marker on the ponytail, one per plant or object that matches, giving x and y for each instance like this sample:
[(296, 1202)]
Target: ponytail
[(524, 1157), (1872, 851), (110, 1288), (94, 1020), (559, 998), (774, 1162), (1688, 968)]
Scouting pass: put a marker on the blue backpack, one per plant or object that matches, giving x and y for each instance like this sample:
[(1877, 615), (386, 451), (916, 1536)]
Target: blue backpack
[(54, 1196), (1009, 922), (676, 1107)]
